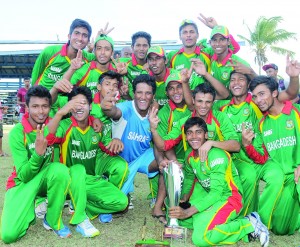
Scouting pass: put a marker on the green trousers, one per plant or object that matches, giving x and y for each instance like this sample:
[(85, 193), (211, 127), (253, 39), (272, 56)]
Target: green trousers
[(93, 195), (115, 168), (18, 211)]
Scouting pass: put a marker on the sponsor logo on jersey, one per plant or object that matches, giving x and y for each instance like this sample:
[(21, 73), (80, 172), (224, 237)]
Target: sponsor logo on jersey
[(84, 155), (238, 127), (246, 112), (282, 142), (55, 69), (92, 84), (54, 77), (94, 139), (162, 102), (210, 134), (268, 132), (135, 73), (225, 75), (229, 115), (136, 137), (215, 162), (76, 143), (31, 145), (205, 183), (179, 67), (289, 124)]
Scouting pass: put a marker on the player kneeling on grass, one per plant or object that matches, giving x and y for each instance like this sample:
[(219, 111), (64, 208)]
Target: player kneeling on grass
[(214, 215), (80, 145), (34, 174)]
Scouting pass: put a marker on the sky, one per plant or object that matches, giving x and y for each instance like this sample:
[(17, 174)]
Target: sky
[(49, 20)]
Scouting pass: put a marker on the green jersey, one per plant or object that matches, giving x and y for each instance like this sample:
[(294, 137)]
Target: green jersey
[(169, 117), (248, 113), (219, 128), (221, 71), (179, 60), (281, 134), (160, 94), (98, 113), (78, 146), (27, 163), (52, 63), (217, 175), (88, 75)]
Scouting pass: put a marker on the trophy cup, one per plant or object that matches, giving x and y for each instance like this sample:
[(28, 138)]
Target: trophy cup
[(173, 177)]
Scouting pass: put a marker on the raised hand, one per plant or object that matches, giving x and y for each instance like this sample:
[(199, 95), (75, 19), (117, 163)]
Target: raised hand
[(198, 66), (153, 118), (247, 135), (239, 67), (108, 101), (115, 146), (292, 67), (63, 85), (105, 30), (186, 75), (40, 140), (77, 62), (121, 67), (208, 21)]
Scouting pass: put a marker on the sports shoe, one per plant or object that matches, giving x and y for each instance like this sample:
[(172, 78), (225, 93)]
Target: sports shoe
[(41, 210), (86, 229), (105, 218), (260, 230), (63, 233), (71, 208), (130, 204), (152, 202)]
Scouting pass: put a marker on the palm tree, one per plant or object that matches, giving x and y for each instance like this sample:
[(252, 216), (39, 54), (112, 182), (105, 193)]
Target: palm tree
[(265, 36)]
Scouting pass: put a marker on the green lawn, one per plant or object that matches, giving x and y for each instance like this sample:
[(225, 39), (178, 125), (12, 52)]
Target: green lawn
[(124, 230)]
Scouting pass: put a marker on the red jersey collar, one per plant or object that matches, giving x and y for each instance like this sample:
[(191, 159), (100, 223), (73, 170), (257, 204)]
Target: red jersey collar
[(27, 126), (64, 50), (133, 60), (94, 66), (166, 75), (288, 106), (97, 98), (209, 116), (225, 60), (75, 124), (248, 99), (196, 51)]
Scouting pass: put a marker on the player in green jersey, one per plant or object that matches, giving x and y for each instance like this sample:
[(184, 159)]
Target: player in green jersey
[(137, 64), (91, 194), (88, 75), (34, 173), (115, 168), (213, 215), (280, 130), (156, 59)]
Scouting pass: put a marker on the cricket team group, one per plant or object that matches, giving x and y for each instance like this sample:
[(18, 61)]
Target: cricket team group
[(92, 122)]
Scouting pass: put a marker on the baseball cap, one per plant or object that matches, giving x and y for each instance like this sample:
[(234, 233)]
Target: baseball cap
[(158, 50), (174, 76), (269, 66), (220, 30), (105, 37)]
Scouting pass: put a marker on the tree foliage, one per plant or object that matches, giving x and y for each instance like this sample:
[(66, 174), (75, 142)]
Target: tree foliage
[(266, 36)]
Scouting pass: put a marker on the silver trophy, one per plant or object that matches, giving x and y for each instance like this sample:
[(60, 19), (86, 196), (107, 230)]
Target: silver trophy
[(173, 177)]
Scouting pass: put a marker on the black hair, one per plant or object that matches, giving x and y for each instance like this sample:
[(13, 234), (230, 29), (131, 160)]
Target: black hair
[(26, 79), (81, 90), (235, 72), (144, 78), (204, 88), (187, 24), (141, 34), (38, 91), (195, 121), (112, 75), (270, 82), (81, 23)]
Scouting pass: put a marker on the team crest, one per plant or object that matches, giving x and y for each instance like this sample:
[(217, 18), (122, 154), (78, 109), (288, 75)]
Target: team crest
[(289, 124), (210, 134), (225, 75), (94, 139), (246, 112)]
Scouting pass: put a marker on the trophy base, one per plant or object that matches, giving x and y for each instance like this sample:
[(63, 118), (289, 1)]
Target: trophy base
[(175, 232)]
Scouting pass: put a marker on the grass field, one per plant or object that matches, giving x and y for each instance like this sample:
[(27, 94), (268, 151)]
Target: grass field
[(124, 230)]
